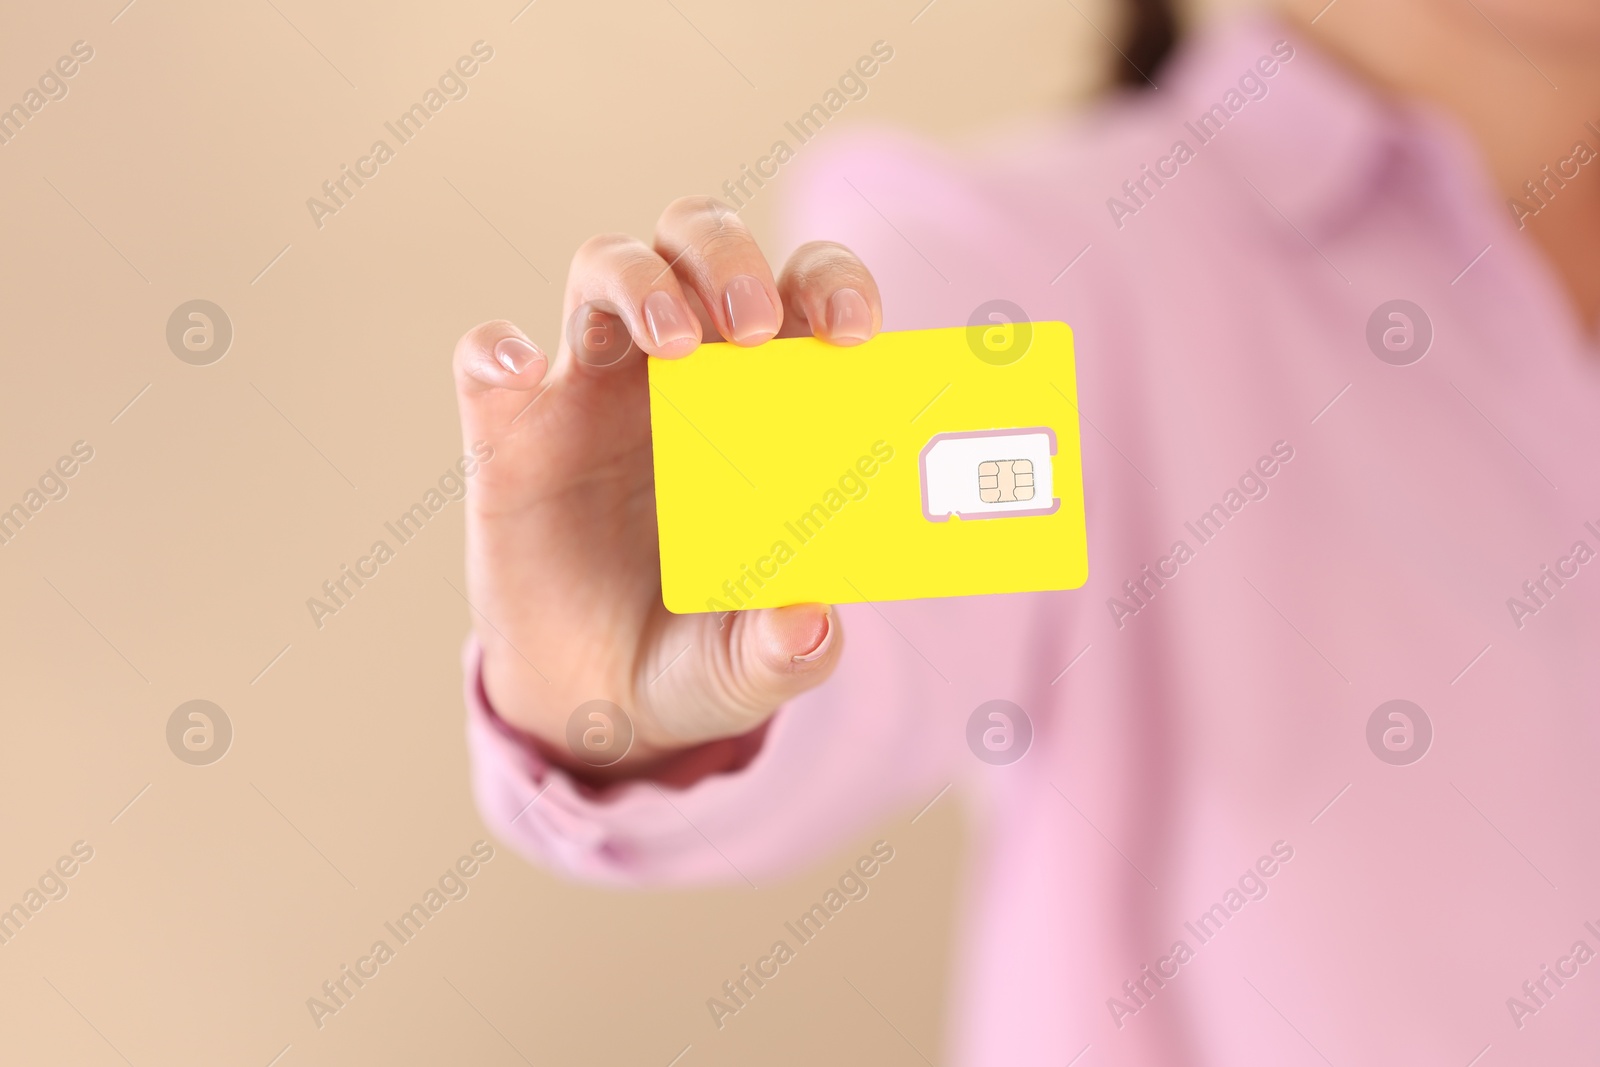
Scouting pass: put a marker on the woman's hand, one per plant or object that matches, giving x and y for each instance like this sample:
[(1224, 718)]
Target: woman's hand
[(563, 571)]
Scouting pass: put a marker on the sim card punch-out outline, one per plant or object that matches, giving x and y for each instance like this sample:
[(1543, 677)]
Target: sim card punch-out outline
[(922, 471)]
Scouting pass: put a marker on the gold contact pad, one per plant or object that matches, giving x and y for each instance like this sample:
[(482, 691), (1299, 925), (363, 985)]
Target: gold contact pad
[(1003, 481)]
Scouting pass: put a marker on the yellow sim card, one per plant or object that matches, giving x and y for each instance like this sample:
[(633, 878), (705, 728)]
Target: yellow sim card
[(926, 463)]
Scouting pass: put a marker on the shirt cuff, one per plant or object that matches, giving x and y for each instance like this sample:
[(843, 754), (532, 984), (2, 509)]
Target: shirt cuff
[(558, 818)]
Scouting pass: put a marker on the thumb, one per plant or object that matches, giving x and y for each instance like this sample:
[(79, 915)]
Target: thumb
[(748, 663)]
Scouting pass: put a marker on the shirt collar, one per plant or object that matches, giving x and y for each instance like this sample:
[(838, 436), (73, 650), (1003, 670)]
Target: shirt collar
[(1315, 146)]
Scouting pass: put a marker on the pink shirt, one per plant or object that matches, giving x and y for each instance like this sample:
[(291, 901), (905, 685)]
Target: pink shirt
[(1201, 772)]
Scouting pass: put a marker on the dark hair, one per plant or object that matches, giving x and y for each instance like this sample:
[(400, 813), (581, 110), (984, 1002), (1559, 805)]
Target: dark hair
[(1148, 37)]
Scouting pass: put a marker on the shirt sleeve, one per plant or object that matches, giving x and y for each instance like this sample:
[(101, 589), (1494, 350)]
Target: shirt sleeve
[(742, 810)]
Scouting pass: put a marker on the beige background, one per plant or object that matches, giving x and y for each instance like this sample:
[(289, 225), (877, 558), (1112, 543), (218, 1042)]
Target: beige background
[(179, 564)]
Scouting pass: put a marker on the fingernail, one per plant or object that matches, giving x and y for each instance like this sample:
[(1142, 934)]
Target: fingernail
[(669, 324), (849, 318), (751, 317), (822, 644), (516, 355)]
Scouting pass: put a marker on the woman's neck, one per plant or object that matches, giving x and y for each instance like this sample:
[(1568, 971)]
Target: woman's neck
[(1527, 104)]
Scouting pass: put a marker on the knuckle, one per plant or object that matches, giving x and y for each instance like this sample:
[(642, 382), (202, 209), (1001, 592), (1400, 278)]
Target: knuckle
[(694, 209), (825, 263), (638, 268), (825, 249), (727, 242), (619, 257), (820, 256), (603, 246), (701, 230)]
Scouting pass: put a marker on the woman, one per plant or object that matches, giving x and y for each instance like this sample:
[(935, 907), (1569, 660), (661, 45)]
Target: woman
[(1337, 385)]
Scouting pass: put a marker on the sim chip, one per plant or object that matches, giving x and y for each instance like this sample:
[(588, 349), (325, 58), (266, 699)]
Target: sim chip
[(988, 473), (1004, 481)]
